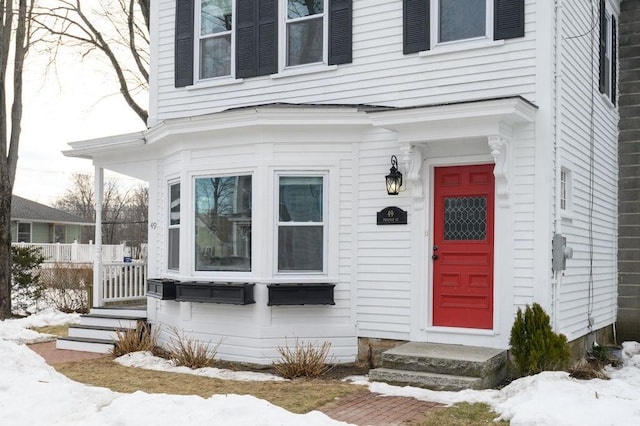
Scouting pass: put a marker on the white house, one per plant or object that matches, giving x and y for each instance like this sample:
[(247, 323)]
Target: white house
[(273, 124)]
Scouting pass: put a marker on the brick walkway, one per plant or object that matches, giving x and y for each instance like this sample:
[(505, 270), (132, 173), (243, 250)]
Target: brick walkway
[(372, 409), (362, 409)]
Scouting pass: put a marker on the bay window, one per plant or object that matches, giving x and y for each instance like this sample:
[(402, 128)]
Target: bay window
[(173, 244), (300, 224), (223, 223)]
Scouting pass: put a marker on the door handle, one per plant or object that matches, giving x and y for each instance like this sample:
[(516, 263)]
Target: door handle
[(434, 257)]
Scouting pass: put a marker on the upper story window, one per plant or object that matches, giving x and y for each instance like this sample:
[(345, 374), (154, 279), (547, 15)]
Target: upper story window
[(608, 74), (215, 38), (305, 31), (223, 223), (173, 243), (249, 38), (461, 19), (427, 23)]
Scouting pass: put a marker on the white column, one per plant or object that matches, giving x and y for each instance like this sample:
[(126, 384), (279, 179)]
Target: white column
[(97, 261)]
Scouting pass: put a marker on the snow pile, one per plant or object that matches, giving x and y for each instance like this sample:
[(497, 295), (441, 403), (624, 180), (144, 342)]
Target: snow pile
[(147, 361)]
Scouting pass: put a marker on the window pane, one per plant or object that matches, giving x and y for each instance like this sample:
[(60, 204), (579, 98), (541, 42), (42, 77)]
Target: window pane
[(24, 232), (215, 16), (215, 56), (304, 42), (223, 224), (462, 19), (174, 249), (465, 218), (174, 215), (300, 199), (300, 248), (300, 8)]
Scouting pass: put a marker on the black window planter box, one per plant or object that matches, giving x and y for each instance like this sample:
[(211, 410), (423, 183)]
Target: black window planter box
[(215, 292), (301, 294), (161, 288)]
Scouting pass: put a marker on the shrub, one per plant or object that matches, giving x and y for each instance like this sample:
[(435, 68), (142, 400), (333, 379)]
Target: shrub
[(142, 338), (303, 360), (189, 352), (67, 286), (26, 288), (534, 346)]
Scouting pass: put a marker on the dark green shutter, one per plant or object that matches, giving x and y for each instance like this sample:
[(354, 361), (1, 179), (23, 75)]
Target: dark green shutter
[(256, 37), (183, 60), (267, 37), (415, 26), (603, 48), (508, 21), (340, 32), (246, 38), (614, 60)]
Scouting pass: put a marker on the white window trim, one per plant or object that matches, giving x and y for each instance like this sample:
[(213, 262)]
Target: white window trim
[(170, 226), (567, 211), (435, 27), (283, 40), (325, 223), (220, 275), (609, 13), (30, 231), (198, 37)]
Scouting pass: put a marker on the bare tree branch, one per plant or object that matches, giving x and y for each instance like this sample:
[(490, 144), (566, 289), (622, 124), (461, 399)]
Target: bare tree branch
[(119, 34)]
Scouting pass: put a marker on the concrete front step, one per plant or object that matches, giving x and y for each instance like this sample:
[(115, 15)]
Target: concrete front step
[(133, 311), (442, 367), (94, 332), (433, 381), (456, 360), (109, 321), (85, 344)]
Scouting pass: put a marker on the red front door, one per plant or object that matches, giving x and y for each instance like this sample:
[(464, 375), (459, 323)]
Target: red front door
[(463, 246)]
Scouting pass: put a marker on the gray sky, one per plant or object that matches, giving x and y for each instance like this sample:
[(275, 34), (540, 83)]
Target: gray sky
[(79, 101)]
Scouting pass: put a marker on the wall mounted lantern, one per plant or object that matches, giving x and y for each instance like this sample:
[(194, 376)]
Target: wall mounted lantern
[(394, 178)]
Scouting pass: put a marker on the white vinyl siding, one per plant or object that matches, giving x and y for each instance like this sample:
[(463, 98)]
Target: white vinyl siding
[(380, 74), (583, 294)]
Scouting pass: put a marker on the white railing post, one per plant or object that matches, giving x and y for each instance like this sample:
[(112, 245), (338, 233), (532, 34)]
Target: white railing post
[(74, 251), (98, 284)]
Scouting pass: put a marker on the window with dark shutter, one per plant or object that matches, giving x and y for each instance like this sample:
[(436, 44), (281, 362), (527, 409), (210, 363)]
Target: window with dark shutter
[(603, 48), (415, 23), (508, 19), (184, 43), (458, 20), (614, 60), (340, 32)]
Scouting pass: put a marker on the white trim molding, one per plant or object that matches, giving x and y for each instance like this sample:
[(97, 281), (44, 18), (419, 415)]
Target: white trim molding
[(499, 146), (492, 121)]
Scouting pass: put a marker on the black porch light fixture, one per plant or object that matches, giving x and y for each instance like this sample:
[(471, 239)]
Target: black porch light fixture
[(394, 178)]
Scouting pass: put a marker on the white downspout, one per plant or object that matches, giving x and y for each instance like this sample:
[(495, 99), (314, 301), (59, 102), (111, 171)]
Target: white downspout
[(97, 261)]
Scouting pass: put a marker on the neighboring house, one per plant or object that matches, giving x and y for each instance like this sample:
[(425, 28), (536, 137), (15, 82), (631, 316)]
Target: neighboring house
[(272, 127), (628, 326), (33, 222)]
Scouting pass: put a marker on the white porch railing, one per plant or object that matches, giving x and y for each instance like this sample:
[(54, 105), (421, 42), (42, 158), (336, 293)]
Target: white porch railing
[(78, 253), (123, 281)]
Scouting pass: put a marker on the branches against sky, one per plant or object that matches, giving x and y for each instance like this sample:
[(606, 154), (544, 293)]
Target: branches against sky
[(115, 30)]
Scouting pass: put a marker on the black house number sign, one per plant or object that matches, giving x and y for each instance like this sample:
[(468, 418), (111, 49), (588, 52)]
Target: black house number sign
[(392, 216)]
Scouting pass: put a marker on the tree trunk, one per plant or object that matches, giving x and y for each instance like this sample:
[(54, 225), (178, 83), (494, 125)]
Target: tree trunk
[(5, 253)]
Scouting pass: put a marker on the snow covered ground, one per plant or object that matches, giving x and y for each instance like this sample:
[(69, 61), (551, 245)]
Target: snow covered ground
[(33, 393)]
